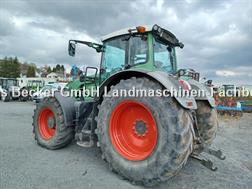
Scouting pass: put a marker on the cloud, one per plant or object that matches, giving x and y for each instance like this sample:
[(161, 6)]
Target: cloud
[(217, 34), (226, 73), (6, 24)]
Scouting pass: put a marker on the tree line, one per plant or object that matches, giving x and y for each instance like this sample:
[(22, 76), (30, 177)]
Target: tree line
[(10, 67), (13, 68)]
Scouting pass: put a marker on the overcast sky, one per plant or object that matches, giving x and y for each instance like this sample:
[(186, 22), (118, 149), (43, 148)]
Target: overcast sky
[(217, 34)]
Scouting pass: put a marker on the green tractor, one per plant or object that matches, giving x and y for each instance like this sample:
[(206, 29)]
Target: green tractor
[(146, 139)]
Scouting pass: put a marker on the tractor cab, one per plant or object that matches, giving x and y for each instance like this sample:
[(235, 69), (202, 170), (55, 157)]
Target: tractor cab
[(141, 48), (7, 83), (9, 86)]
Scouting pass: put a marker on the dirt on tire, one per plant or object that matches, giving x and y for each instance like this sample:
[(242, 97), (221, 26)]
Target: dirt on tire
[(207, 122)]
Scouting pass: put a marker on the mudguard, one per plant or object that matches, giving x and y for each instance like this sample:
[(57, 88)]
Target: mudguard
[(68, 108), (208, 94), (166, 80)]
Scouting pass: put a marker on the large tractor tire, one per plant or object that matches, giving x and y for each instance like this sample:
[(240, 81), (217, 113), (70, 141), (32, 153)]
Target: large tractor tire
[(207, 122), (146, 140), (49, 125)]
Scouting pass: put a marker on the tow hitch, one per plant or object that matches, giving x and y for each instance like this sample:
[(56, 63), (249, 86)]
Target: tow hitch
[(207, 162)]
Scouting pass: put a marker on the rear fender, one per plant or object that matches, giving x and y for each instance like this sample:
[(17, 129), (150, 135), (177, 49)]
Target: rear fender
[(201, 87), (163, 78)]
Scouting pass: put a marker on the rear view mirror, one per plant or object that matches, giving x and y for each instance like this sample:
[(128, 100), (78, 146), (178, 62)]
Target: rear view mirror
[(181, 45), (71, 48)]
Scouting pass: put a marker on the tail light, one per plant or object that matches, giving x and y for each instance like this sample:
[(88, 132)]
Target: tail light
[(185, 85)]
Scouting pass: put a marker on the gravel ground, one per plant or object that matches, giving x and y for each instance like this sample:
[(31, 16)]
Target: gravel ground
[(23, 164)]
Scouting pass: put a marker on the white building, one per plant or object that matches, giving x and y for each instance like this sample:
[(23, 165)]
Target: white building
[(59, 77), (53, 75)]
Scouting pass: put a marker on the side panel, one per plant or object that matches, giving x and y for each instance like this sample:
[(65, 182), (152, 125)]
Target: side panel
[(201, 87), (163, 78)]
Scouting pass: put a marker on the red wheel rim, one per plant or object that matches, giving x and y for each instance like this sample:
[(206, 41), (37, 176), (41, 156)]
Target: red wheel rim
[(46, 123), (133, 130)]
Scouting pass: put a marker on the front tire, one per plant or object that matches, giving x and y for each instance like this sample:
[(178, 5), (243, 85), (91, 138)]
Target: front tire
[(49, 125), (156, 150)]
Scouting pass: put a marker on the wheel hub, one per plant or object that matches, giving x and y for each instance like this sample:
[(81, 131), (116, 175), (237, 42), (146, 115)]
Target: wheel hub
[(51, 122), (140, 128)]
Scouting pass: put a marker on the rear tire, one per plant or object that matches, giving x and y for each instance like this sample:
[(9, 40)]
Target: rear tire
[(207, 122), (57, 135), (174, 137)]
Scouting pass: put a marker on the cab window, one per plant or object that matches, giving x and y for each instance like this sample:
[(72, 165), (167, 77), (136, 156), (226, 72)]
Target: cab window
[(164, 56), (113, 58), (138, 50)]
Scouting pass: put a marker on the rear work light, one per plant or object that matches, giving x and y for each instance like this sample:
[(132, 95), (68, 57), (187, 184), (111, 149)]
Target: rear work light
[(185, 85)]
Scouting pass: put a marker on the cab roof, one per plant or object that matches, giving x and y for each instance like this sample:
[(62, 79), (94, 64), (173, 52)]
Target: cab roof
[(124, 32)]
